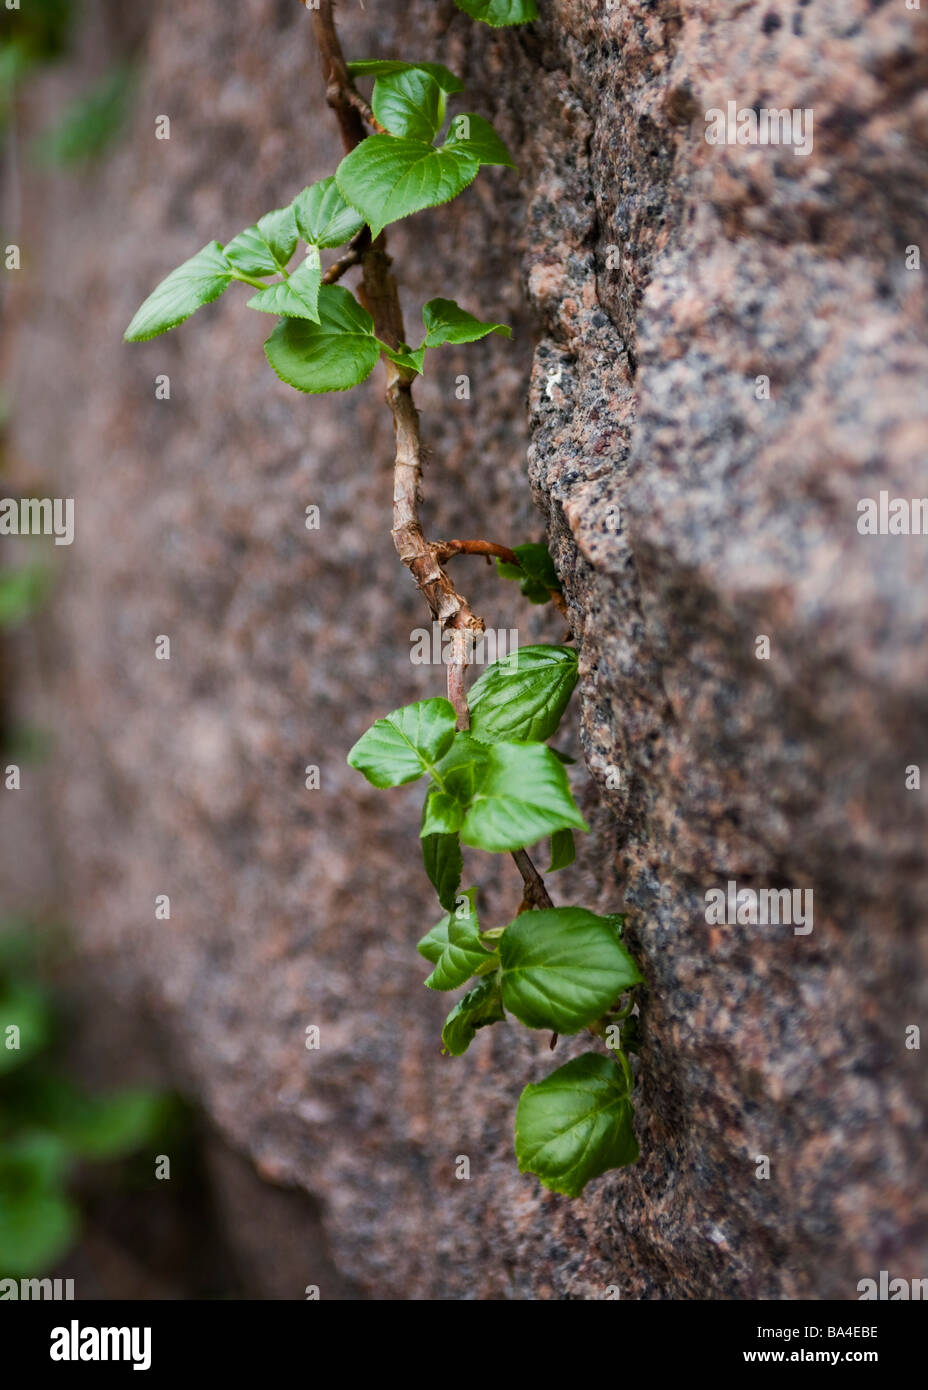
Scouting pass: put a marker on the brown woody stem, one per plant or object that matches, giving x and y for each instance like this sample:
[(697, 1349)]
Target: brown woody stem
[(378, 294)]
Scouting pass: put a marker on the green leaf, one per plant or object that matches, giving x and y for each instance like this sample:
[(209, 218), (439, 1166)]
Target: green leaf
[(388, 177), (334, 354), (472, 135), (383, 67), (413, 361), (500, 12), (102, 1127), (479, 1007), (36, 1229), (409, 103), (535, 572), (563, 850), (37, 1223), (444, 865), (25, 1007), (576, 1124), (446, 322), (405, 744), (323, 218), (198, 281), (22, 592), (522, 796), (562, 968), (266, 247), (442, 813), (535, 561), (523, 696), (297, 297), (453, 946), (461, 769)]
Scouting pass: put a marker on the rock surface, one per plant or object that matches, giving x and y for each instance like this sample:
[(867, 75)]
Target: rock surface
[(652, 279)]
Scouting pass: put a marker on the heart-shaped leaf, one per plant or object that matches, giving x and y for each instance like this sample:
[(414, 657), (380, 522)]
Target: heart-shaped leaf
[(562, 968), (405, 744), (523, 696), (522, 796), (388, 177), (409, 103), (334, 354), (576, 1124)]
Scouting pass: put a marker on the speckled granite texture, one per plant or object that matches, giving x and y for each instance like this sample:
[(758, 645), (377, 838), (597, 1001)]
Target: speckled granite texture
[(651, 279)]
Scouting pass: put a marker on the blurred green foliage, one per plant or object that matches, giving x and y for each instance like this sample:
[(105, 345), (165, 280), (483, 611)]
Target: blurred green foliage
[(23, 590), (47, 1124), (89, 124), (36, 33)]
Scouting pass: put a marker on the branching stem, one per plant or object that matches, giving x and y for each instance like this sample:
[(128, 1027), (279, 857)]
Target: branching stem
[(378, 294)]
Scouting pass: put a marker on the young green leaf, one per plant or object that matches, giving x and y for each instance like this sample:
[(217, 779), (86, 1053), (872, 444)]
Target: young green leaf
[(441, 855), (334, 354), (479, 1007), (388, 177), (461, 769), (524, 695), (297, 297), (446, 322), (409, 103), (500, 12), (453, 946), (576, 1124), (522, 796), (406, 743), (474, 136), (265, 248), (535, 572), (442, 813), (198, 281), (323, 218), (102, 1127), (413, 361), (562, 968), (563, 850), (383, 67)]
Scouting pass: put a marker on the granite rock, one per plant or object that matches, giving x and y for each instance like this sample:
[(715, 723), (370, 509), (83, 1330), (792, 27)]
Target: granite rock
[(653, 281)]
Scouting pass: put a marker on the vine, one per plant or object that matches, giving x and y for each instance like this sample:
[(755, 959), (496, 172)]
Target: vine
[(492, 781)]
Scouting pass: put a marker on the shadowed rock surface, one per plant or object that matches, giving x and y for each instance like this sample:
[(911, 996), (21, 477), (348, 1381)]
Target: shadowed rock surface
[(651, 279)]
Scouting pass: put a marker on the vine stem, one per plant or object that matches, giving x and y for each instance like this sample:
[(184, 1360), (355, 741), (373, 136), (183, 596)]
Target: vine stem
[(378, 294)]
